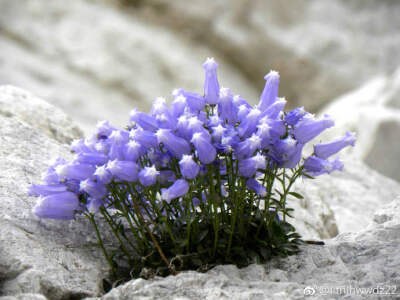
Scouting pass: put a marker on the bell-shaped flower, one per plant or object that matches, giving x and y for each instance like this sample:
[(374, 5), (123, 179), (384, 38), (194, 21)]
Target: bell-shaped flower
[(148, 176), (46, 189), (182, 127), (316, 166), (159, 107), (248, 146), (174, 144), (60, 206), (226, 109), (93, 205), (275, 109), (195, 125), (189, 168), (144, 137), (143, 120), (257, 187), (123, 170), (133, 150), (239, 101), (102, 174), (94, 189), (92, 158), (248, 166), (249, 125), (294, 158), (218, 132), (229, 143), (166, 120), (117, 139), (79, 146), (75, 171), (104, 129), (270, 92), (294, 116), (178, 106), (205, 150), (178, 189), (243, 111), (195, 101), (325, 150), (211, 85), (285, 147), (270, 130), (308, 128)]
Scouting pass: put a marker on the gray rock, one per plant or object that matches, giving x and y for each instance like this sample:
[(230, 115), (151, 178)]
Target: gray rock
[(320, 48), (18, 103), (342, 201), (350, 266), (24, 297), (51, 49), (372, 111), (55, 259)]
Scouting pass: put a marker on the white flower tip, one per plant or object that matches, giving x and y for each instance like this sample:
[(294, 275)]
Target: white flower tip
[(102, 123), (210, 64), (83, 185), (180, 98), (133, 112), (272, 75), (176, 92), (186, 158), (60, 170), (224, 92), (196, 136)]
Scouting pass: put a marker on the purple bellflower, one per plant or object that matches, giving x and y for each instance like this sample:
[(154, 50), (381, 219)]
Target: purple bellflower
[(270, 92), (148, 176), (211, 85), (176, 145), (178, 189), (326, 150), (123, 170), (60, 206), (316, 166), (189, 168), (204, 148), (308, 128)]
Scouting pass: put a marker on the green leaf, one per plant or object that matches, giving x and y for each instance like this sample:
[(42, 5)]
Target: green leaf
[(297, 195)]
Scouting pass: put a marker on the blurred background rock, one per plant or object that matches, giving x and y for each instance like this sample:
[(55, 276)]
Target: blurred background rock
[(99, 59)]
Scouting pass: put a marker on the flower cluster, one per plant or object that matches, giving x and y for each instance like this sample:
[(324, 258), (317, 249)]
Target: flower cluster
[(212, 156)]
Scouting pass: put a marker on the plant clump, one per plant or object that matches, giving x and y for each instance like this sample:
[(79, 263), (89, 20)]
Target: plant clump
[(201, 182)]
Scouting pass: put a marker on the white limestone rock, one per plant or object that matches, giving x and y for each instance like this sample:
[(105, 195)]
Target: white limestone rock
[(55, 259), (97, 62), (320, 48), (373, 112), (342, 201)]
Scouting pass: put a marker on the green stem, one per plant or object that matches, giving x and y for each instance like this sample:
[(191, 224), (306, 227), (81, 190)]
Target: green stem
[(108, 258)]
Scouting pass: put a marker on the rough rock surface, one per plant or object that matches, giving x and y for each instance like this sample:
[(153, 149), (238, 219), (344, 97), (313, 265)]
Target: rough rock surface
[(321, 48), (55, 259), (51, 49), (96, 62), (20, 104), (350, 266), (342, 201), (373, 112)]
